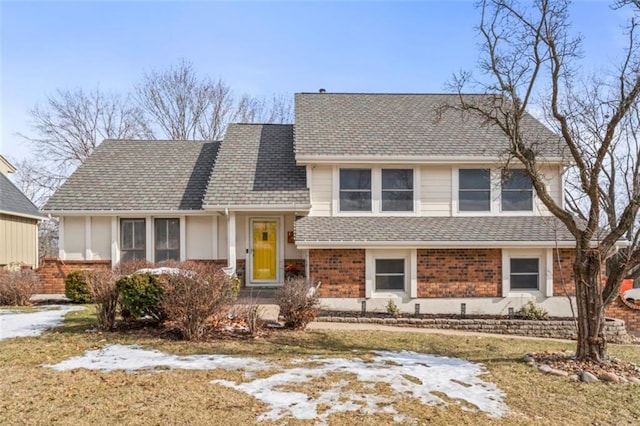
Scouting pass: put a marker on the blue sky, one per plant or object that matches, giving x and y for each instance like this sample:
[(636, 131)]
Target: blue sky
[(260, 48)]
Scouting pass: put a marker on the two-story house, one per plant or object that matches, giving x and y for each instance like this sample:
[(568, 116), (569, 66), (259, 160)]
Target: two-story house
[(379, 196)]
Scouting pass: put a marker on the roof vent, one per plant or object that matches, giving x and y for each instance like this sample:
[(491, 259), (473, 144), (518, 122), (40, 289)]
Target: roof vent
[(322, 91)]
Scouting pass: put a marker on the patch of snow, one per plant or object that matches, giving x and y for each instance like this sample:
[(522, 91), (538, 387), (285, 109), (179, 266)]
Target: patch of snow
[(407, 373), (28, 324), (133, 357)]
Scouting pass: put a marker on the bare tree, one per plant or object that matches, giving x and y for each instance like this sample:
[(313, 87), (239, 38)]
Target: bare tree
[(73, 122), (529, 60), (181, 105)]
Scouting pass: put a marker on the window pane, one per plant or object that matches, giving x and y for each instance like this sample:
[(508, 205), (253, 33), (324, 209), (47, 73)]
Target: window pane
[(474, 179), (174, 234), (139, 234), (524, 274), (355, 201), (517, 200), (355, 179), (516, 179), (161, 234), (523, 266), (397, 201), (126, 234), (389, 266), (397, 179), (474, 201), (390, 282), (390, 274)]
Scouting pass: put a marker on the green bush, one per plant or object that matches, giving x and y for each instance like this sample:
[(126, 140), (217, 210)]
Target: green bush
[(140, 295), (76, 289)]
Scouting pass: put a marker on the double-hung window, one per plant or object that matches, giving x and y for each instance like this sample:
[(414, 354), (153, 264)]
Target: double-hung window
[(524, 273), (397, 190), (132, 239), (474, 192), (517, 191), (167, 239), (390, 275), (355, 190)]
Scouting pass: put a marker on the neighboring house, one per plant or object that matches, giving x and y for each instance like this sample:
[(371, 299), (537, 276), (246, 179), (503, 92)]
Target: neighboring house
[(18, 223), (379, 196)]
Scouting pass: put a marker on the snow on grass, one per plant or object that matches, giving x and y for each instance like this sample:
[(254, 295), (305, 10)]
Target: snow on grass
[(420, 376), (27, 324), (133, 357)]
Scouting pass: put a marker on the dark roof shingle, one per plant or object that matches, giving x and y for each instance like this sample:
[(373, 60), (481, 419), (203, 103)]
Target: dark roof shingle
[(12, 200), (371, 229), (139, 175), (256, 166), (348, 124)]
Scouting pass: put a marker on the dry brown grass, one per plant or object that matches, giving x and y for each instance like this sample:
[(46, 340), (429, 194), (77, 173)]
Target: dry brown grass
[(32, 394)]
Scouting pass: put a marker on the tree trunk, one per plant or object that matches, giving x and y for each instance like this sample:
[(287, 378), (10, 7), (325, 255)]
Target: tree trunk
[(592, 343)]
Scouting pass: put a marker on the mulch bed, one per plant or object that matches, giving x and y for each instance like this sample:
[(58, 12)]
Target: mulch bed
[(373, 314)]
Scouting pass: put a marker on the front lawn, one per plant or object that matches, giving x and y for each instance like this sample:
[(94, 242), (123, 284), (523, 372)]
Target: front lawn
[(33, 394)]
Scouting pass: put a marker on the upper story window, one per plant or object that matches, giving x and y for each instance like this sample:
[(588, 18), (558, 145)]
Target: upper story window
[(132, 239), (474, 192), (517, 191), (167, 239), (397, 190), (355, 190)]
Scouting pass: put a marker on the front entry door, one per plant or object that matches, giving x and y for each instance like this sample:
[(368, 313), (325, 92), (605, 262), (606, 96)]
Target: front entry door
[(264, 250)]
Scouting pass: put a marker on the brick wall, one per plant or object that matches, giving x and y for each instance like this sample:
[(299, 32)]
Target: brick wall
[(342, 272), (460, 273), (52, 272), (630, 313), (563, 283)]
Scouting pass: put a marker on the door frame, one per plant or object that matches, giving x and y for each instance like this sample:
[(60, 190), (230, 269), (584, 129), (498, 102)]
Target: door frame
[(249, 281)]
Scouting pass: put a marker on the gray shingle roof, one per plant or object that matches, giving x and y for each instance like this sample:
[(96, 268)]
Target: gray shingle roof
[(329, 124), (373, 229), (12, 200), (256, 166), (139, 175)]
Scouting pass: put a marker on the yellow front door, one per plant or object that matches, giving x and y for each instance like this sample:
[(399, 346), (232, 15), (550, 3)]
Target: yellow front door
[(265, 250)]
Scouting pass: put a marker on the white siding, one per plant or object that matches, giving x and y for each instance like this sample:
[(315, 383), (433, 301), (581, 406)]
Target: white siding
[(101, 237), (321, 190), (435, 191), (553, 176), (242, 237), (223, 249), (199, 237), (74, 228), (18, 240), (290, 250)]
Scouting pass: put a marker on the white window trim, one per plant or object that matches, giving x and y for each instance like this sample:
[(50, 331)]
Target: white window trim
[(495, 194), (376, 191), (545, 272), (410, 258), (116, 229)]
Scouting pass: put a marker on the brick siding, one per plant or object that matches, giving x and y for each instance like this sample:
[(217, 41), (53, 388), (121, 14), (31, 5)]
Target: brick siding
[(342, 272), (460, 273), (563, 282), (53, 272), (628, 312)]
